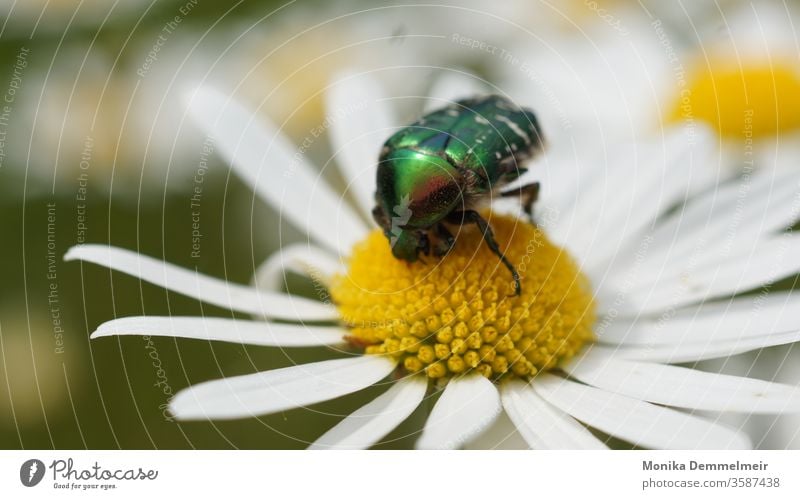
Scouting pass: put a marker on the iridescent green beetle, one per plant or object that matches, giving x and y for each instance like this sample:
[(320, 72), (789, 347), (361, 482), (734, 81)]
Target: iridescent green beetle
[(436, 170)]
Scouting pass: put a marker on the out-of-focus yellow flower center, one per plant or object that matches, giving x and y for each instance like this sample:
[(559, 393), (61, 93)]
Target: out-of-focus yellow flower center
[(455, 314), (761, 98)]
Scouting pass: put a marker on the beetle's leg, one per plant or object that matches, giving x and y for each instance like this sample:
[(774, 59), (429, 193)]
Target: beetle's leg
[(379, 216), (444, 240), (473, 217), (424, 244), (528, 194)]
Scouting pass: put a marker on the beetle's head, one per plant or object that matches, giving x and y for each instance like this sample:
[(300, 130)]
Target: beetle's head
[(415, 191)]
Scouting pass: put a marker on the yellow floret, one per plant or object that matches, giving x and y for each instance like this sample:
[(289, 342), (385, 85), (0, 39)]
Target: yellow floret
[(451, 315)]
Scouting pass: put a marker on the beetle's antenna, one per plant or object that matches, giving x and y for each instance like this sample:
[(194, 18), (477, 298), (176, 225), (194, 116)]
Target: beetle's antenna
[(472, 216)]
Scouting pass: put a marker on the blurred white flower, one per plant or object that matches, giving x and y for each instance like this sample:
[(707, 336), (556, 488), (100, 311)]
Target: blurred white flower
[(25, 18), (744, 79), (600, 82), (637, 70), (70, 109)]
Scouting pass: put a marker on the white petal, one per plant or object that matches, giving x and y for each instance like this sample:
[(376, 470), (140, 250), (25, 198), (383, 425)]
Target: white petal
[(361, 121), (279, 389), (453, 85), (641, 423), (738, 318), (265, 159), (682, 387), (316, 263), (467, 407), (565, 181), (778, 210), (208, 289), (542, 425), (676, 168), (691, 352), (733, 212), (575, 226), (723, 226), (501, 435), (762, 263), (366, 426), (602, 84), (605, 218), (674, 232), (219, 329)]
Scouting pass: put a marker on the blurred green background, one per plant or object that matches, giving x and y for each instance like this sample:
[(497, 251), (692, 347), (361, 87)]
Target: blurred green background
[(94, 138), (95, 114), (70, 392)]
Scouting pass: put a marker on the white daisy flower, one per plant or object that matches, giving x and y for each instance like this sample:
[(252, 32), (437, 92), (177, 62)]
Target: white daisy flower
[(627, 76), (743, 78), (621, 280)]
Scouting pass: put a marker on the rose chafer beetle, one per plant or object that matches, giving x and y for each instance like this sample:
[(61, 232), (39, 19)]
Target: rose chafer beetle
[(437, 170)]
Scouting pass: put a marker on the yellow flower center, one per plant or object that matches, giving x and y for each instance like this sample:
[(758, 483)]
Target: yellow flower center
[(450, 315), (758, 97)]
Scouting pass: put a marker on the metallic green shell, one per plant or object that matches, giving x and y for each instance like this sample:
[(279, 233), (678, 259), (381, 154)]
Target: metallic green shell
[(419, 186), (487, 135), (438, 164)]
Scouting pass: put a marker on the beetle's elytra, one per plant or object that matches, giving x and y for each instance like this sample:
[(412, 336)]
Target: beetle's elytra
[(434, 172)]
